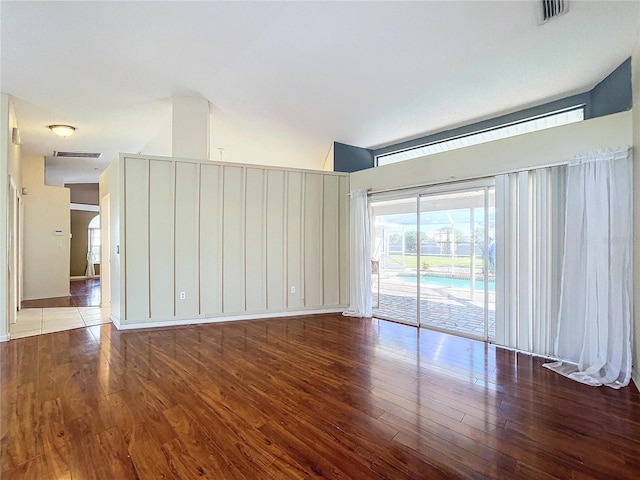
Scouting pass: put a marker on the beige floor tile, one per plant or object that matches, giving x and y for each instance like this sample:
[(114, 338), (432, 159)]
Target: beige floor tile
[(28, 333), (30, 314), (28, 321), (61, 320), (60, 326), (61, 316), (59, 310), (25, 326)]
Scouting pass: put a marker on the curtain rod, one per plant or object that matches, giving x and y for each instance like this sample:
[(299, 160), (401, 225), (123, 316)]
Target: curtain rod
[(466, 179)]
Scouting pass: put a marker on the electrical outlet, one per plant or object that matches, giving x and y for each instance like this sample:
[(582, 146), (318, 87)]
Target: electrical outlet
[(293, 289), (183, 295)]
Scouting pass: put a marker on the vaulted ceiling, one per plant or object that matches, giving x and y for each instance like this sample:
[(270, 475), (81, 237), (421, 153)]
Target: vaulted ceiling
[(286, 79)]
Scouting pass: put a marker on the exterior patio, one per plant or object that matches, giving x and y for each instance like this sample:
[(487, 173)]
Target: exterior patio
[(440, 306)]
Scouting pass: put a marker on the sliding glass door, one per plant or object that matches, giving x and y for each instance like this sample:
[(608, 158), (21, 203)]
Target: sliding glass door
[(434, 259), (395, 257), (457, 262)]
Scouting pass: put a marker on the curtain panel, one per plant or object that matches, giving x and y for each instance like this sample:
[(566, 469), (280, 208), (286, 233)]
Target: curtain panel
[(594, 327), (360, 257)]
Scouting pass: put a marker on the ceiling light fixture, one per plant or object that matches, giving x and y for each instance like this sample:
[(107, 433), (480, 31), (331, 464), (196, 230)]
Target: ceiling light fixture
[(62, 130)]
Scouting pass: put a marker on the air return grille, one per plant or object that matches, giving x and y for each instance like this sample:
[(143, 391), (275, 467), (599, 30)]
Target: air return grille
[(77, 154), (553, 8)]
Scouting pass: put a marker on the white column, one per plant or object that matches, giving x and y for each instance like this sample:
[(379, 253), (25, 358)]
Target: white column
[(190, 128)]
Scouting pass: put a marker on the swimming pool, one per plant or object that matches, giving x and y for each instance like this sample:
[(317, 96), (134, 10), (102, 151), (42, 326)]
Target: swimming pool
[(448, 282)]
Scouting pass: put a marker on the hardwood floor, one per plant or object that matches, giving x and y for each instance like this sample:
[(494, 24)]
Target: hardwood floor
[(84, 293), (299, 398)]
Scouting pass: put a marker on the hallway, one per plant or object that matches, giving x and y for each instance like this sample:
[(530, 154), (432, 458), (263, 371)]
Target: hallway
[(84, 293)]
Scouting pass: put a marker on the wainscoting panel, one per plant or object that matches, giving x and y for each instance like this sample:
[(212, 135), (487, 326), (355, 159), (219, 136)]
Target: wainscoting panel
[(136, 244), (233, 287), (211, 193), (255, 244), (161, 238), (275, 240), (313, 248), (187, 239)]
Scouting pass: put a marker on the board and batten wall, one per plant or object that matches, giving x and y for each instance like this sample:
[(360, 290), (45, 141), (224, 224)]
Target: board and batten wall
[(239, 240)]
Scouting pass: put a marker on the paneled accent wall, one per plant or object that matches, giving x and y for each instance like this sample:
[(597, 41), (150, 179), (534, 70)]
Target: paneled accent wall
[(236, 239)]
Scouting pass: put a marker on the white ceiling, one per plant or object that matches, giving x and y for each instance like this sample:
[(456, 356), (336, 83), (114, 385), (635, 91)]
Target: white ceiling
[(287, 79)]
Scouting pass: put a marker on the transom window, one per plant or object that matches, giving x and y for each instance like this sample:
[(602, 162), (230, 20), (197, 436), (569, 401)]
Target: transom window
[(555, 119)]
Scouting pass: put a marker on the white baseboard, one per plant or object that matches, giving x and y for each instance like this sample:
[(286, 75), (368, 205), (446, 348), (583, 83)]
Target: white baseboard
[(5, 338), (232, 318), (635, 377)]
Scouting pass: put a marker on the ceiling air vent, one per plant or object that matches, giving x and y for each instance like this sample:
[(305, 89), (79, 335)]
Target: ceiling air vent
[(552, 8), (77, 154)]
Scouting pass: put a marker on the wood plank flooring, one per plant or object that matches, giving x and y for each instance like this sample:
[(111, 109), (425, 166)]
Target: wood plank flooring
[(83, 293), (299, 398)]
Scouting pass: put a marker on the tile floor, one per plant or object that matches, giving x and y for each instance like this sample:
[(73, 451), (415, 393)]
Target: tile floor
[(36, 321)]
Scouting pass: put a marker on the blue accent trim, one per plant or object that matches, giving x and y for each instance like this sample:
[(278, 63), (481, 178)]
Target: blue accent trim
[(614, 93), (347, 158)]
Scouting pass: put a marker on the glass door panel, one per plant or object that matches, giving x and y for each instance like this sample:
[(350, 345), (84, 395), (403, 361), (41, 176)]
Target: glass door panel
[(394, 264), (457, 262)]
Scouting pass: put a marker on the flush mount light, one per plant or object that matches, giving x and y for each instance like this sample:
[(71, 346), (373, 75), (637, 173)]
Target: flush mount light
[(62, 130)]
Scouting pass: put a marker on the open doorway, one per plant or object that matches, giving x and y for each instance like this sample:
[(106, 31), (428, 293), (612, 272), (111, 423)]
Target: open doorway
[(84, 264)]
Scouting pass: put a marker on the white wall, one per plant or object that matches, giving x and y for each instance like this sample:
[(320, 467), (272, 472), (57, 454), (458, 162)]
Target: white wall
[(14, 162), (110, 192), (537, 148), (4, 217), (10, 184), (46, 255), (235, 238), (636, 207)]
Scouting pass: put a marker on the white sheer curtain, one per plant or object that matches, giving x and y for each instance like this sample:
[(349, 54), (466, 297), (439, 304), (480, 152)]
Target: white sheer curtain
[(594, 326), (360, 257), (529, 242), (90, 270)]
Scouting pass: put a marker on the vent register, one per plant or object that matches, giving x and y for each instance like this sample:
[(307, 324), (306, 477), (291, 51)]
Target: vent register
[(77, 154), (552, 8)]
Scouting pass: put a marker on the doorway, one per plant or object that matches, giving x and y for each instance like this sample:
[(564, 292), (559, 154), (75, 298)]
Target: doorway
[(434, 259)]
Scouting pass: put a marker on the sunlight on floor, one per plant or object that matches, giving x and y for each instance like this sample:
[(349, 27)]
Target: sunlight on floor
[(36, 321)]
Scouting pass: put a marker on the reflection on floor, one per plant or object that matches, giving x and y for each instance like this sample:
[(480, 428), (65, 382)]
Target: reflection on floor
[(35, 321), (84, 293)]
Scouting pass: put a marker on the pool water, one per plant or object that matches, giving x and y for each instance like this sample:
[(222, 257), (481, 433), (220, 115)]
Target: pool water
[(448, 282)]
